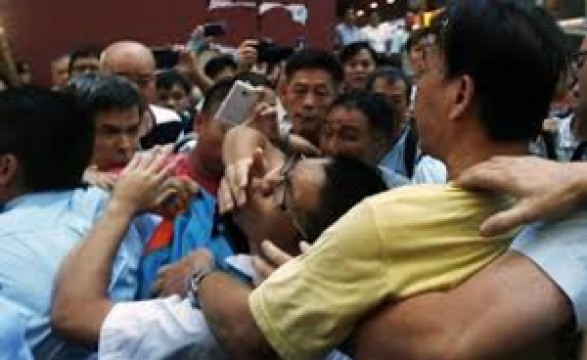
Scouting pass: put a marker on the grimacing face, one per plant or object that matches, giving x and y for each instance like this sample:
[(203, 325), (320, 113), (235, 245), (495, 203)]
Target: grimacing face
[(117, 137), (276, 208)]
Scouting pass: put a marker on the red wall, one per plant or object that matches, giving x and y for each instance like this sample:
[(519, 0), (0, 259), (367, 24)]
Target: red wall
[(42, 29)]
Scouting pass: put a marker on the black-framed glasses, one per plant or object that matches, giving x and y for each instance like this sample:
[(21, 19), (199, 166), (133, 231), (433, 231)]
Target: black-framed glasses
[(283, 191)]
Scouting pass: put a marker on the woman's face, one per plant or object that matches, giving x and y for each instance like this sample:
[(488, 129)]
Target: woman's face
[(358, 69)]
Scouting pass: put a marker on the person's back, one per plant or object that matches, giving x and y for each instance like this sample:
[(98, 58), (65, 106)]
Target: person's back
[(46, 209)]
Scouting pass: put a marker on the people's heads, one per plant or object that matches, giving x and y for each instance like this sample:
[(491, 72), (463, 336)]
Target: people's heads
[(173, 91), (492, 68), (359, 61), (394, 85), (60, 71), (45, 141), (211, 131), (313, 80), (135, 62), (349, 17), (220, 67), (84, 61), (361, 125), (304, 197), (114, 104), (23, 69), (374, 19), (415, 49)]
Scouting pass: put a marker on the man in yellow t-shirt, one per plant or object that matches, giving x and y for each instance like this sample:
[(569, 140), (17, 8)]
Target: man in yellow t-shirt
[(391, 246), (490, 70)]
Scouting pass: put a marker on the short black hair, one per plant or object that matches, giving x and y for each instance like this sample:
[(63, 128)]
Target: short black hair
[(97, 93), (514, 52), (169, 77), (314, 59), (351, 50), (391, 75), (416, 37), (348, 182), (49, 135), (381, 116), (217, 64), (82, 53), (215, 95)]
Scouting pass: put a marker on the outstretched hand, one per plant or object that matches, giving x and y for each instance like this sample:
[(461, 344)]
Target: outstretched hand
[(232, 192), (544, 189)]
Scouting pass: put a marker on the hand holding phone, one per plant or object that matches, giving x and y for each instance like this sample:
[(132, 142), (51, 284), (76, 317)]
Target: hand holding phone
[(215, 29), (239, 103)]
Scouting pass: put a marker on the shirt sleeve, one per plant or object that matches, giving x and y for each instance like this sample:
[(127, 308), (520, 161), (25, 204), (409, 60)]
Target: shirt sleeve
[(311, 304), (560, 249), (157, 329)]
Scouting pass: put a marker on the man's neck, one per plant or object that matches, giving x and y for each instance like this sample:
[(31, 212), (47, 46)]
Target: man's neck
[(475, 150)]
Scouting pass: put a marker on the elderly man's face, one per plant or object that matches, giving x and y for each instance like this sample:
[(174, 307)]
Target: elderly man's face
[(307, 97)]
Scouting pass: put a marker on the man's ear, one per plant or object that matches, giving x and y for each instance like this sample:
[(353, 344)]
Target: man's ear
[(464, 93), (8, 169)]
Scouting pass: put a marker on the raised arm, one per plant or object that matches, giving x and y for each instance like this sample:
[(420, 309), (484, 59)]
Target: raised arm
[(81, 301)]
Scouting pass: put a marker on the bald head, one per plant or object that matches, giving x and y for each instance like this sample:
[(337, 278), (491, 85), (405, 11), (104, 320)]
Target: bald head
[(134, 61)]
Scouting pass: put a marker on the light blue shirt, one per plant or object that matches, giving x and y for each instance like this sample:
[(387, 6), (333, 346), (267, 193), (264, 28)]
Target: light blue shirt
[(349, 34), (559, 248), (13, 345), (37, 231)]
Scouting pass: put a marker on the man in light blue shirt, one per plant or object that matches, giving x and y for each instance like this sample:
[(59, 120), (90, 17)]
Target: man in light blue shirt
[(12, 325), (45, 145)]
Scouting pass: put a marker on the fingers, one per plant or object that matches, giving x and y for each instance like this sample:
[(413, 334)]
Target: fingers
[(274, 253), (507, 220), (225, 199), (305, 247), (263, 267), (485, 176)]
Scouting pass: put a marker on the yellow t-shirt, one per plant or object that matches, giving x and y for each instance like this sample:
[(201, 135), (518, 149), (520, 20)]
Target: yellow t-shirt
[(391, 246)]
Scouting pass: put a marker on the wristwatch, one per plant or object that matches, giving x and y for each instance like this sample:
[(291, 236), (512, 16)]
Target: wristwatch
[(199, 273)]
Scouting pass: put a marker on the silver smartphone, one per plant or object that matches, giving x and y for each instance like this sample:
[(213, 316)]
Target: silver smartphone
[(239, 103)]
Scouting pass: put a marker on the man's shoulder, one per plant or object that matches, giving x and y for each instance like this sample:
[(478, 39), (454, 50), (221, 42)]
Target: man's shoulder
[(436, 200)]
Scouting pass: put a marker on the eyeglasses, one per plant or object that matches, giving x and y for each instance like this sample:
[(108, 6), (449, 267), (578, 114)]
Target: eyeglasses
[(282, 189)]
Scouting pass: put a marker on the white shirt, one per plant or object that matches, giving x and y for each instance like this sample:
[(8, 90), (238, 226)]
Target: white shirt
[(559, 248), (378, 37), (167, 328)]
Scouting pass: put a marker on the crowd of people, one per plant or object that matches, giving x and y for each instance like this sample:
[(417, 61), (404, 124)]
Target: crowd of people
[(362, 209)]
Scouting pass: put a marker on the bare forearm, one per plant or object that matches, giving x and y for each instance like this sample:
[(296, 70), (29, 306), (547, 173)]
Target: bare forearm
[(81, 302), (224, 302)]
